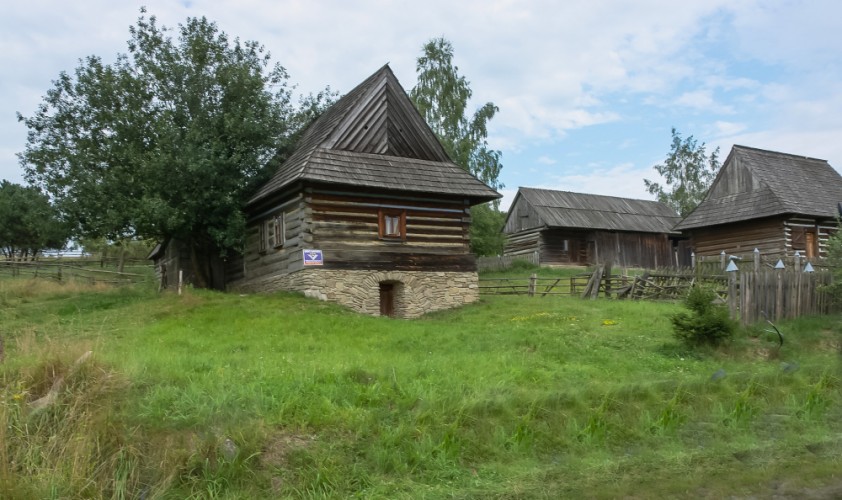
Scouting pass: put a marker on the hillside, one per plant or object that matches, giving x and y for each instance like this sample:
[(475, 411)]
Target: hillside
[(209, 395)]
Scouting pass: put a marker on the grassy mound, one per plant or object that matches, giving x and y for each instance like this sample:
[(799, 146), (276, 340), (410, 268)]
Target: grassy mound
[(209, 395)]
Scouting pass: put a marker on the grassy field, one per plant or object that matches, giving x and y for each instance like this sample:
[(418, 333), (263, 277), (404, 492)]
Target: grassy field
[(209, 395)]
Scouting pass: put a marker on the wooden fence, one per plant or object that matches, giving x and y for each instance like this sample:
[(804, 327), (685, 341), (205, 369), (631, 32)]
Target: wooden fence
[(777, 294), (751, 296), (59, 270)]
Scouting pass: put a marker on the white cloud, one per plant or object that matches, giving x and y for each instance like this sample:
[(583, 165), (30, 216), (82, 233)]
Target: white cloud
[(623, 180), (546, 160), (723, 128), (702, 100), (553, 68)]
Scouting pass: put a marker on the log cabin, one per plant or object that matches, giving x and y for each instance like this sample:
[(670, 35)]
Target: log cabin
[(585, 229), (368, 211), (776, 202)]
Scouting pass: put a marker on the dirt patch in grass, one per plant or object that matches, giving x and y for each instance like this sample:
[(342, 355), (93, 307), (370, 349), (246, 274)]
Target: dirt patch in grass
[(279, 446)]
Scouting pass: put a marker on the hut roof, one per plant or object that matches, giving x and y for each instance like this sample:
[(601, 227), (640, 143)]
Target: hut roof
[(592, 211), (755, 183), (374, 137)]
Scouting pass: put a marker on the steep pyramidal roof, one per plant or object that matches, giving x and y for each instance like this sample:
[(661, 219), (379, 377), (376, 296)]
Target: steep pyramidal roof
[(374, 137), (755, 183), (591, 211)]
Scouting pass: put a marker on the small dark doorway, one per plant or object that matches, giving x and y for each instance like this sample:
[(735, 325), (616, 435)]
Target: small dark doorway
[(387, 299)]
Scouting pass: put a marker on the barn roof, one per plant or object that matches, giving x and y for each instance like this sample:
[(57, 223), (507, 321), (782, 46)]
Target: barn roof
[(755, 183), (592, 211), (374, 137)]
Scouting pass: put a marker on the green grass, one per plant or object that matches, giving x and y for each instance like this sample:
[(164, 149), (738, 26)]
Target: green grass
[(514, 397)]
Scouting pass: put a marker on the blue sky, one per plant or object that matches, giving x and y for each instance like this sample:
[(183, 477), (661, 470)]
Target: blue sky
[(588, 90)]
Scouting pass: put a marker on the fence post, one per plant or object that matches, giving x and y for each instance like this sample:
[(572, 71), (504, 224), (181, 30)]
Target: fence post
[(798, 261), (532, 284), (733, 300), (722, 259), (779, 296), (58, 273), (756, 260), (693, 260)]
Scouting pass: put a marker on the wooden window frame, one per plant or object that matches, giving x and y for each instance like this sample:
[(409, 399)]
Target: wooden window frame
[(279, 228), (383, 213)]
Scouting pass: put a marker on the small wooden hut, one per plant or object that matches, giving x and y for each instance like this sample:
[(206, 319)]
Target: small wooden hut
[(584, 229), (369, 211), (776, 202)]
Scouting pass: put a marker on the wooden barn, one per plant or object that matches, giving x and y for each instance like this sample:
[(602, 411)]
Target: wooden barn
[(584, 229), (776, 202), (369, 212)]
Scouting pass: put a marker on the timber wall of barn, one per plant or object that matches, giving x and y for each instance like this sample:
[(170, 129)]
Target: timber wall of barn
[(572, 247), (775, 236), (644, 250)]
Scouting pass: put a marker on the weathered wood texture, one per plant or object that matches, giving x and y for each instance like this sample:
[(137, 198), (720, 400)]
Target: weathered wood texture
[(585, 229), (533, 208), (571, 247), (779, 294), (756, 184), (778, 236), (644, 250), (345, 228), (373, 138)]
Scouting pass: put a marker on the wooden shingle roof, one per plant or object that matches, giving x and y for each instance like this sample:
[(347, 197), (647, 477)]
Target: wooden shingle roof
[(592, 211), (756, 183), (374, 137)]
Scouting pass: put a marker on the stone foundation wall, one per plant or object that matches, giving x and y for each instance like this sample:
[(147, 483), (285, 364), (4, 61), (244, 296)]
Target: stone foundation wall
[(416, 292)]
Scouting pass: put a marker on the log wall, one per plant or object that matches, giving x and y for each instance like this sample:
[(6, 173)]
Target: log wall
[(773, 236), (345, 228), (430, 262), (571, 247)]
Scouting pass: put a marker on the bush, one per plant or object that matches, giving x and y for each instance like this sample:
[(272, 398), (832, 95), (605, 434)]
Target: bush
[(707, 323)]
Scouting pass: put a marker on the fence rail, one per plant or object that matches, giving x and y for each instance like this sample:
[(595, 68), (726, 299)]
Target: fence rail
[(751, 296), (68, 271)]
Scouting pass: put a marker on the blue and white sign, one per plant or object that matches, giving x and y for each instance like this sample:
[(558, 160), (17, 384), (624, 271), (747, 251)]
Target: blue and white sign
[(313, 258)]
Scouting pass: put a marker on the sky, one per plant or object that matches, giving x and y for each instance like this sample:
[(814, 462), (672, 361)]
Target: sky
[(588, 90)]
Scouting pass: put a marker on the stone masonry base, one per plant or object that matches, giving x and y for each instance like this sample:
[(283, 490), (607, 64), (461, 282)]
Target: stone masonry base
[(415, 292)]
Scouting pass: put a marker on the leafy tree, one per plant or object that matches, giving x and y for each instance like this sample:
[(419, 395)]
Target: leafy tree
[(442, 95), (487, 237), (167, 142), (688, 172), (28, 222)]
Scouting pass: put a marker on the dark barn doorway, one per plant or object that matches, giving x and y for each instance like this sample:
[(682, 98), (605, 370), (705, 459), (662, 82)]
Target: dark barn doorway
[(387, 299)]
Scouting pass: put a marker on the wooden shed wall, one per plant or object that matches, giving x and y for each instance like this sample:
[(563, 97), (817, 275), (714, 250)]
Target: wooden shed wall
[(345, 227), (767, 235), (522, 217), (643, 250), (523, 242), (781, 236), (577, 247), (177, 256), (562, 246), (274, 260)]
